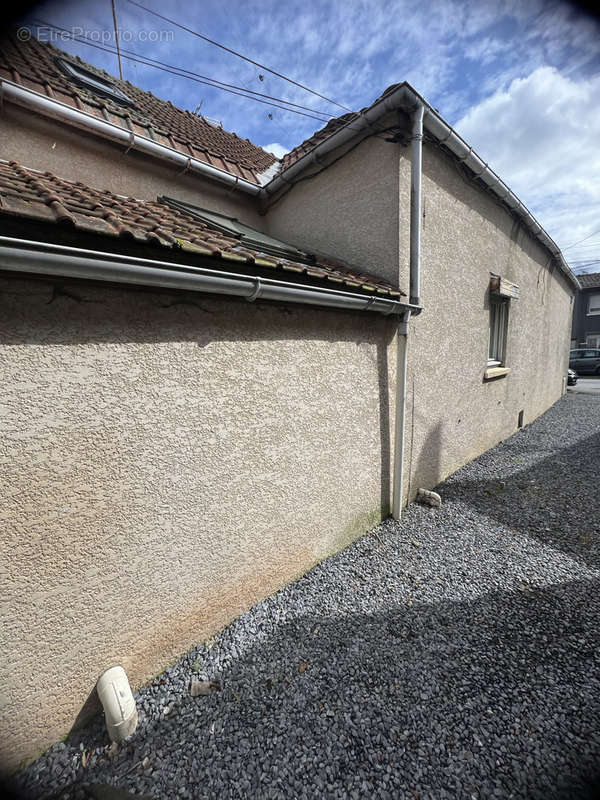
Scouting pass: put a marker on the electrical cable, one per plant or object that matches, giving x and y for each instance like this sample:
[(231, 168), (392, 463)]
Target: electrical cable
[(235, 53), (568, 247), (188, 74)]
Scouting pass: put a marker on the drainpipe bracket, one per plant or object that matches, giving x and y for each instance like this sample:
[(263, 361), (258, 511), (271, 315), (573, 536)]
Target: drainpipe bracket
[(131, 142), (256, 293), (187, 168)]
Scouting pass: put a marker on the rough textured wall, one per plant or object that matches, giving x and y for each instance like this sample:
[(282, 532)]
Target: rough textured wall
[(456, 415), (360, 208), (166, 461), (72, 154), (350, 211)]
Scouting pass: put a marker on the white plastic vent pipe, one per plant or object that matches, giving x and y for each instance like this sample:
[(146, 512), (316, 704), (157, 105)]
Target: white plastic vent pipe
[(120, 711)]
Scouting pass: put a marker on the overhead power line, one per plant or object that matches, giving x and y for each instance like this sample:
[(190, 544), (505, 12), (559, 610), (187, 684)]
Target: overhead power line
[(202, 79), (114, 13), (585, 238), (235, 53)]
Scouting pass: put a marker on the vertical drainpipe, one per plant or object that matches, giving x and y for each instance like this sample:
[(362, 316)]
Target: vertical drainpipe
[(416, 154), (416, 151)]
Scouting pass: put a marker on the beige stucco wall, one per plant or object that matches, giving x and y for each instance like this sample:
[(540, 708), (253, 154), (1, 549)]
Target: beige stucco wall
[(466, 235), (350, 211), (163, 466), (45, 144), (457, 415)]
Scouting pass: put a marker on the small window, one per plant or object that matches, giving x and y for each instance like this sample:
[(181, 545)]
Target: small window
[(83, 77), (498, 330), (594, 304)]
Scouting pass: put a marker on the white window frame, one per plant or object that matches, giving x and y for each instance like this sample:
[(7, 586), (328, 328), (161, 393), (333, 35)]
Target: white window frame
[(592, 340), (595, 300), (498, 331)]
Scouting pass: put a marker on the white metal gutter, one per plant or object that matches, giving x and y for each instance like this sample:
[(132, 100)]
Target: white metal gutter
[(405, 97), (43, 258), (416, 162), (130, 140)]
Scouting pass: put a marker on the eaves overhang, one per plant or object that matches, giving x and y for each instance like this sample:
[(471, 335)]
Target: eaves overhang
[(404, 97), (42, 258), (128, 139)]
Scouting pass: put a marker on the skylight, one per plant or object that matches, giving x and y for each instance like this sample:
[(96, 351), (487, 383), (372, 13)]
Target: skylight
[(249, 237), (84, 77)]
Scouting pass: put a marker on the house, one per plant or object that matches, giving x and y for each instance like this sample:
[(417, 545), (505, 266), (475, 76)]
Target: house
[(219, 368), (586, 314)]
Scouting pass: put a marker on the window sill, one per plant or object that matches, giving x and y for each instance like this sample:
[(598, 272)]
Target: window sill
[(495, 372)]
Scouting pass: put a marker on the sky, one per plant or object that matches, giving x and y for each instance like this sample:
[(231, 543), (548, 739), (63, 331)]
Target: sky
[(518, 79)]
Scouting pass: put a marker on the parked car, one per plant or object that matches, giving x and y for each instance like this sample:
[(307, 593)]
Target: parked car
[(571, 377), (585, 361)]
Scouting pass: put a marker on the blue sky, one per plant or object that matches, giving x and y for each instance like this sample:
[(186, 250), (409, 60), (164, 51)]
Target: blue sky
[(519, 80)]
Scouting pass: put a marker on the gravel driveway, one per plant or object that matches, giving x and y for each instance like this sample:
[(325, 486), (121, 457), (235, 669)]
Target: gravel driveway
[(453, 655)]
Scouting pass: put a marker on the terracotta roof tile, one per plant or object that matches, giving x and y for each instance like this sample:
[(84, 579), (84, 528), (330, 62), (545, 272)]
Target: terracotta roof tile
[(45, 197), (33, 64), (324, 133)]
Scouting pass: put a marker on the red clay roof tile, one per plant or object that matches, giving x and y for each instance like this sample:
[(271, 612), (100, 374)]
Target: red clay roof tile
[(45, 197), (33, 64), (324, 133)]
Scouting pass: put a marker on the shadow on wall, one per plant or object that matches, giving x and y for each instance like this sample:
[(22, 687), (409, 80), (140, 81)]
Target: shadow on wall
[(42, 312), (72, 312), (462, 695), (426, 472)]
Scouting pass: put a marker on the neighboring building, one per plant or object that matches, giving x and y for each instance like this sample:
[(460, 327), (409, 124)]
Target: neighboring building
[(170, 452), (586, 316)]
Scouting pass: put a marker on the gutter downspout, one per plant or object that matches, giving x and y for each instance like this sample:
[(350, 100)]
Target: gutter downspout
[(416, 160), (401, 365)]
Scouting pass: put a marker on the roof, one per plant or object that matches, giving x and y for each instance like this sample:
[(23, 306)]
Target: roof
[(589, 280), (401, 97), (316, 138), (33, 65), (33, 69), (328, 130), (44, 197)]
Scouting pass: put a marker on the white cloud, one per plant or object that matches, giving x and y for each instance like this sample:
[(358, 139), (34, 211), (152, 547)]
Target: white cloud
[(541, 135), (277, 149), (519, 77)]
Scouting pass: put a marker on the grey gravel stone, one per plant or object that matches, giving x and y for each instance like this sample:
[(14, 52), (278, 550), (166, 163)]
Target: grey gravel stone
[(465, 667)]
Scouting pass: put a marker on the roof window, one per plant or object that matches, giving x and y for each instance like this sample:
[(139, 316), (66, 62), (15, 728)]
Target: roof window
[(249, 237), (89, 80)]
